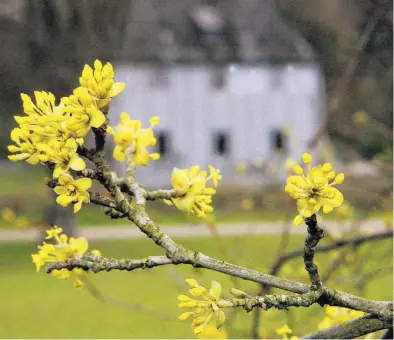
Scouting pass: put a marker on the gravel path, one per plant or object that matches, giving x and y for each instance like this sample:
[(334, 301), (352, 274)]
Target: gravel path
[(246, 228)]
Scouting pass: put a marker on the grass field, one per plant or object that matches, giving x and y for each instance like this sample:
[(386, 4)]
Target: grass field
[(35, 305), (24, 191)]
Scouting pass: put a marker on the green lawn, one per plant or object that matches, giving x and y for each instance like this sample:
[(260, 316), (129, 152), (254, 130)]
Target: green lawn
[(24, 191), (35, 305)]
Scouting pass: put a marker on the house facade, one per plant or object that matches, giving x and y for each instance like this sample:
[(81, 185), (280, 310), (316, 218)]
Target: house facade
[(236, 91)]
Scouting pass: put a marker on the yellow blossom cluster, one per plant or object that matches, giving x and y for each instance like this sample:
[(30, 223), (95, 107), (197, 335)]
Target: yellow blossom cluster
[(315, 189), (51, 132), (63, 248), (192, 182), (100, 83), (336, 316), (209, 306), (72, 191), (131, 138)]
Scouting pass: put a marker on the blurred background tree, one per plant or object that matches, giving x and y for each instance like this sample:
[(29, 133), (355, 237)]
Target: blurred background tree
[(38, 37), (334, 28)]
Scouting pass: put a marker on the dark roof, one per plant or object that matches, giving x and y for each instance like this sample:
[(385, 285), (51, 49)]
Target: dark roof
[(216, 30)]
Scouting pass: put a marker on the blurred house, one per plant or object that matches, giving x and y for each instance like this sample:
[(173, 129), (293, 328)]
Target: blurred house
[(231, 83)]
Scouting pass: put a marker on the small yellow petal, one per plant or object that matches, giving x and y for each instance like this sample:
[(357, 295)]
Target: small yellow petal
[(185, 316), (183, 298), (64, 200), (340, 178), (116, 89), (191, 282), (298, 220), (307, 158), (77, 206), (83, 183), (154, 121), (216, 290), (77, 163), (298, 170)]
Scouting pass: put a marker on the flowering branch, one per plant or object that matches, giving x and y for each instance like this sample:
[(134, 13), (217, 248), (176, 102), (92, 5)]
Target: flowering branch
[(53, 135)]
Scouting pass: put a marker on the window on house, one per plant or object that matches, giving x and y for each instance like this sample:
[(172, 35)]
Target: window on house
[(163, 143), (278, 140), (221, 143)]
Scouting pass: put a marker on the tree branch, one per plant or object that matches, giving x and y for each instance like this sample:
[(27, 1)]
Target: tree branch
[(98, 263), (140, 308), (177, 254), (352, 329), (315, 234), (345, 79), (336, 245), (98, 199)]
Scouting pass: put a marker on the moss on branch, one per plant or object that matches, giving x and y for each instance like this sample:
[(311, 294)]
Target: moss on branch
[(97, 263)]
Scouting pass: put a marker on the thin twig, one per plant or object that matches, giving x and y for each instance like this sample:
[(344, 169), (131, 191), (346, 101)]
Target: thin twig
[(140, 308)]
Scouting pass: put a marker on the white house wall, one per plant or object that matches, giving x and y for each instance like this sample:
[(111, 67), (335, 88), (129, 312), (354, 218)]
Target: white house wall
[(254, 101)]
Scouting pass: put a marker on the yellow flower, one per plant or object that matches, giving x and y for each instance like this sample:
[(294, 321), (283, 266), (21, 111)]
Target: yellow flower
[(72, 191), (63, 156), (82, 112), (45, 118), (314, 190), (283, 331), (24, 148), (192, 182), (211, 332), (360, 118), (131, 138), (215, 174), (209, 306), (42, 132), (63, 249), (247, 204), (45, 106), (100, 83), (8, 215), (336, 316), (241, 168)]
